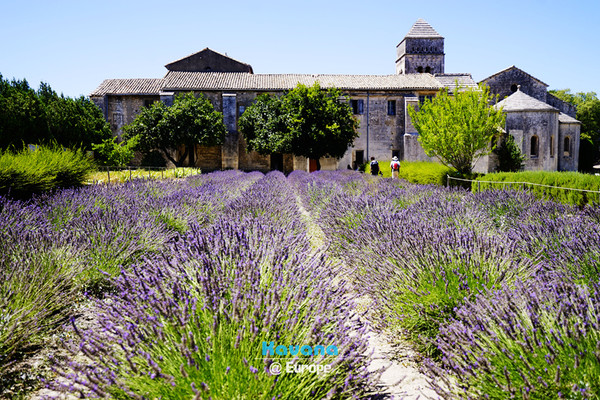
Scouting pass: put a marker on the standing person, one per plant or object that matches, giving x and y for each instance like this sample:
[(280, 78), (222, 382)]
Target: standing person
[(395, 167), (374, 167)]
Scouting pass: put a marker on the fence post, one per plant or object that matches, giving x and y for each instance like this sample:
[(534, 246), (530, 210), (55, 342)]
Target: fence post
[(479, 186), (129, 168), (162, 172), (108, 173), (448, 180)]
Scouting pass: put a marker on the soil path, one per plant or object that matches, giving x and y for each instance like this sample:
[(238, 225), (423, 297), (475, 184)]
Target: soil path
[(400, 378)]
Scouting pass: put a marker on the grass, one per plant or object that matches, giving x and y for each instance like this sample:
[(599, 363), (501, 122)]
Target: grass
[(125, 174), (424, 173)]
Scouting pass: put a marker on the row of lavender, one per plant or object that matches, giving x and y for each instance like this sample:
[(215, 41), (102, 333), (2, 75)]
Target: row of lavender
[(53, 247), (498, 290), (207, 271)]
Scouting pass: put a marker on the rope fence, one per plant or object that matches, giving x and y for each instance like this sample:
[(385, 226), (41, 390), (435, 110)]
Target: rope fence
[(522, 184)]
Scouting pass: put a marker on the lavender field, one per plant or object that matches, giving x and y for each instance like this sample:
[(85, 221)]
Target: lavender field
[(174, 289)]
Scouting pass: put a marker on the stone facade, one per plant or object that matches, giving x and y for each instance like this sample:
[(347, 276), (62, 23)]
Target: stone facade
[(380, 104), (541, 132)]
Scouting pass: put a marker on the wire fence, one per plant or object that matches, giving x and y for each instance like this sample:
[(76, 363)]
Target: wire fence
[(523, 185), (120, 174), (575, 196)]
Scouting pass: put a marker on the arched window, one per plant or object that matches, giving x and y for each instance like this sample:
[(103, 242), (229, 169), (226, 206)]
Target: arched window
[(428, 70), (567, 146), (534, 149), (514, 87), (420, 70)]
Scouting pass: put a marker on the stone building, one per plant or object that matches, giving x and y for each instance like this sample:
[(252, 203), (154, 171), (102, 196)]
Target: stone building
[(542, 125), (379, 102)]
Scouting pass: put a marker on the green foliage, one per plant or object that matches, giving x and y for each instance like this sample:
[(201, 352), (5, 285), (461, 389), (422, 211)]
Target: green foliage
[(112, 153), (573, 180), (424, 173), (264, 125), (307, 121), (42, 169), (458, 129), (588, 112), (190, 120), (510, 158), (43, 117)]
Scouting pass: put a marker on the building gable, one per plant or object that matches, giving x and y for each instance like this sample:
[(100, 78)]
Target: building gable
[(208, 60), (508, 81)]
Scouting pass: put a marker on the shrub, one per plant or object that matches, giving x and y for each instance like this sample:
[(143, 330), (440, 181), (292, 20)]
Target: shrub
[(424, 173), (538, 340), (42, 169), (557, 180)]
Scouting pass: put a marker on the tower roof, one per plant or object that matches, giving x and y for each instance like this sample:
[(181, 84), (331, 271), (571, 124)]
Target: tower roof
[(422, 29)]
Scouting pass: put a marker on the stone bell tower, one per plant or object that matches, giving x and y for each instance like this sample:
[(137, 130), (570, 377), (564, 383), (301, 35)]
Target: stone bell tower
[(421, 51)]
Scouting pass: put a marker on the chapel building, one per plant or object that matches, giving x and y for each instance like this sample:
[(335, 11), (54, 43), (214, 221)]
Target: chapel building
[(379, 102)]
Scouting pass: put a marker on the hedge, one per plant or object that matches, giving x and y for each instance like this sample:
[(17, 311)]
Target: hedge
[(554, 184)]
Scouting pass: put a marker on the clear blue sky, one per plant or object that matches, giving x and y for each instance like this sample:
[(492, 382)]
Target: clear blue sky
[(74, 45)]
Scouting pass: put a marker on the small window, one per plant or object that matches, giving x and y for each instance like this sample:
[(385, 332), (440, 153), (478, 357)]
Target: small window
[(514, 87), (534, 149), (357, 106), (551, 146), (567, 146), (428, 70), (148, 103), (422, 98), (420, 70), (391, 107)]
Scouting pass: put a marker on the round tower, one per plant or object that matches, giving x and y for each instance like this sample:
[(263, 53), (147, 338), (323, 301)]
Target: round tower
[(421, 51)]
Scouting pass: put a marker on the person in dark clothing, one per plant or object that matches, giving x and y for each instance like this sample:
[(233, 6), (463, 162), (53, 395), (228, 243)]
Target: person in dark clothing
[(374, 167)]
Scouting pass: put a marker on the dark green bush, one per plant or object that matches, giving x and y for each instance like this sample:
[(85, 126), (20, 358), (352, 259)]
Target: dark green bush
[(554, 184), (42, 169)]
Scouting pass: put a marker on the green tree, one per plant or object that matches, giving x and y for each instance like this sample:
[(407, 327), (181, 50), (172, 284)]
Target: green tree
[(43, 117), (588, 113), (114, 153), (458, 129), (510, 158), (189, 121), (306, 121), (22, 115)]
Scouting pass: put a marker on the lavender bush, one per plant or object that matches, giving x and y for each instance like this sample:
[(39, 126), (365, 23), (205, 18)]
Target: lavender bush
[(537, 340), (193, 321)]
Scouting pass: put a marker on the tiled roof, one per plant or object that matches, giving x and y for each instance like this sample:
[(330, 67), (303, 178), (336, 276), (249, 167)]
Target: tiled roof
[(176, 80), (567, 119), (450, 81), (421, 29), (519, 101), (128, 86)]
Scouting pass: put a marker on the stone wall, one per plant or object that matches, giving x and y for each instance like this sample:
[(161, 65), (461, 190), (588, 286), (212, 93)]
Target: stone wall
[(563, 106), (413, 53), (505, 83), (543, 125), (568, 159)]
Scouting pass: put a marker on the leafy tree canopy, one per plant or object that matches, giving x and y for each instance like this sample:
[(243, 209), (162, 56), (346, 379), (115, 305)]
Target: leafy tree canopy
[(43, 117), (306, 121), (189, 121), (458, 129)]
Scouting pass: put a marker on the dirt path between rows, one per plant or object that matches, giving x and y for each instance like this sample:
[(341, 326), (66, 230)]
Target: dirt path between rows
[(400, 377)]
